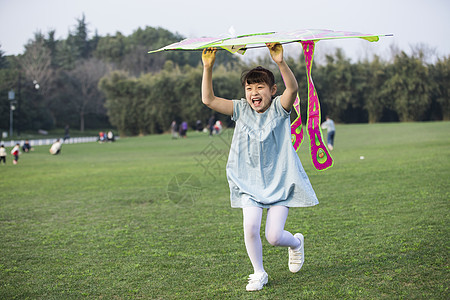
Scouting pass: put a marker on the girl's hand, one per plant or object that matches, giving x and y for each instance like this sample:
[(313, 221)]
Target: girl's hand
[(209, 57), (276, 51)]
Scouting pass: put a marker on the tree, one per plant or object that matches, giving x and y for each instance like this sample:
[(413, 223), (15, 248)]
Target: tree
[(111, 48), (409, 87), (334, 83), (8, 81), (374, 97), (137, 61), (36, 64), (440, 76), (37, 85), (84, 79), (76, 46), (66, 56), (80, 39), (3, 63), (118, 88)]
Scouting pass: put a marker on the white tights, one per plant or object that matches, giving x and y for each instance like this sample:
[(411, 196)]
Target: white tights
[(275, 233)]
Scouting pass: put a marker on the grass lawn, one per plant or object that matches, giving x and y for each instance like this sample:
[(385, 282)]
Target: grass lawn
[(149, 218)]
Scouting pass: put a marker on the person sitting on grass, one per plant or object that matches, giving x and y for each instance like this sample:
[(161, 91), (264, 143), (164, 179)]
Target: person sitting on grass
[(56, 147), (26, 147)]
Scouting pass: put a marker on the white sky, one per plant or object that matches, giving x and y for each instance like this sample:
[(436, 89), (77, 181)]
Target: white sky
[(412, 22)]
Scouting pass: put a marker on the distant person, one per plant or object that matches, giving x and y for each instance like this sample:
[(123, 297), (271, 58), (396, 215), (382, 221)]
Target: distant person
[(101, 137), (174, 129), (211, 123), (110, 136), (3, 154), (218, 127), (56, 147), (183, 129), (199, 126), (27, 147), (66, 133), (329, 126), (16, 152)]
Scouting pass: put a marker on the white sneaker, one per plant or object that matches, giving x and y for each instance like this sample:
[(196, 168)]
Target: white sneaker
[(297, 256), (257, 281)]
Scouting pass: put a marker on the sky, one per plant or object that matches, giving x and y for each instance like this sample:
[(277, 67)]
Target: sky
[(412, 22)]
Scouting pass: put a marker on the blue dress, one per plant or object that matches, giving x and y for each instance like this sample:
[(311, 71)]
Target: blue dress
[(263, 168)]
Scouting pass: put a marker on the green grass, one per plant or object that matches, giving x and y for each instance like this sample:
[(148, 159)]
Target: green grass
[(97, 221)]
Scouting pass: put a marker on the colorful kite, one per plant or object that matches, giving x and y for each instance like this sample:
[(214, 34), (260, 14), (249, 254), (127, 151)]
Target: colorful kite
[(320, 156)]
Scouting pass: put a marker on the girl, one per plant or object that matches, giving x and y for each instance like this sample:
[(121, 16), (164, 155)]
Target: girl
[(15, 152), (263, 169)]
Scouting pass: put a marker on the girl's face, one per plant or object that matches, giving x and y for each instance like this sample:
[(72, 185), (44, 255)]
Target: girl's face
[(259, 95)]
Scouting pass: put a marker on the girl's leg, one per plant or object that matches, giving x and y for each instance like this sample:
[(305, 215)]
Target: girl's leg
[(275, 233), (252, 225)]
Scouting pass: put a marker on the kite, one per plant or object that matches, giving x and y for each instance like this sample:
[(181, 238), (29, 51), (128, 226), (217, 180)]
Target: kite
[(320, 155)]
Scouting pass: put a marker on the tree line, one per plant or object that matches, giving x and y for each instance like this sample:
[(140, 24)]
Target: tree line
[(111, 81)]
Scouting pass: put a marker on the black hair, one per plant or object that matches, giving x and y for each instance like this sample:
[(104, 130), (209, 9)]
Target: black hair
[(258, 75)]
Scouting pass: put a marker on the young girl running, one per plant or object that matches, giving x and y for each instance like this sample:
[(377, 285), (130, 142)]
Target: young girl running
[(16, 152), (263, 169)]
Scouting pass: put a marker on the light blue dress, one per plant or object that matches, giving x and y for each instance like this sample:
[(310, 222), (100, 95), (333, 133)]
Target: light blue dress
[(263, 168)]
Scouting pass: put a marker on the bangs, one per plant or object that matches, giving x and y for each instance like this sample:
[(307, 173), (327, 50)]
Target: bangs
[(258, 75)]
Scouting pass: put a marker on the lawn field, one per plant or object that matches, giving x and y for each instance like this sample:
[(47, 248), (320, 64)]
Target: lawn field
[(150, 218)]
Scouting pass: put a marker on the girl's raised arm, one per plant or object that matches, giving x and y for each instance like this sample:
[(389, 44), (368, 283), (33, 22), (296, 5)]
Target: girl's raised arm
[(218, 104), (290, 93)]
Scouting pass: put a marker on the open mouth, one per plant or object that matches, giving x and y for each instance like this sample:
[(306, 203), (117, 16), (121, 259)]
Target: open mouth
[(256, 102)]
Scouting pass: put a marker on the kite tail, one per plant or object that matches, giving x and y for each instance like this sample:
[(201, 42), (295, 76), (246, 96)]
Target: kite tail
[(296, 126), (320, 156)]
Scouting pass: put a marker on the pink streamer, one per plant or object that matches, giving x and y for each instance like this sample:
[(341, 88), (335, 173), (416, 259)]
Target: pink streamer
[(320, 156), (297, 127)]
